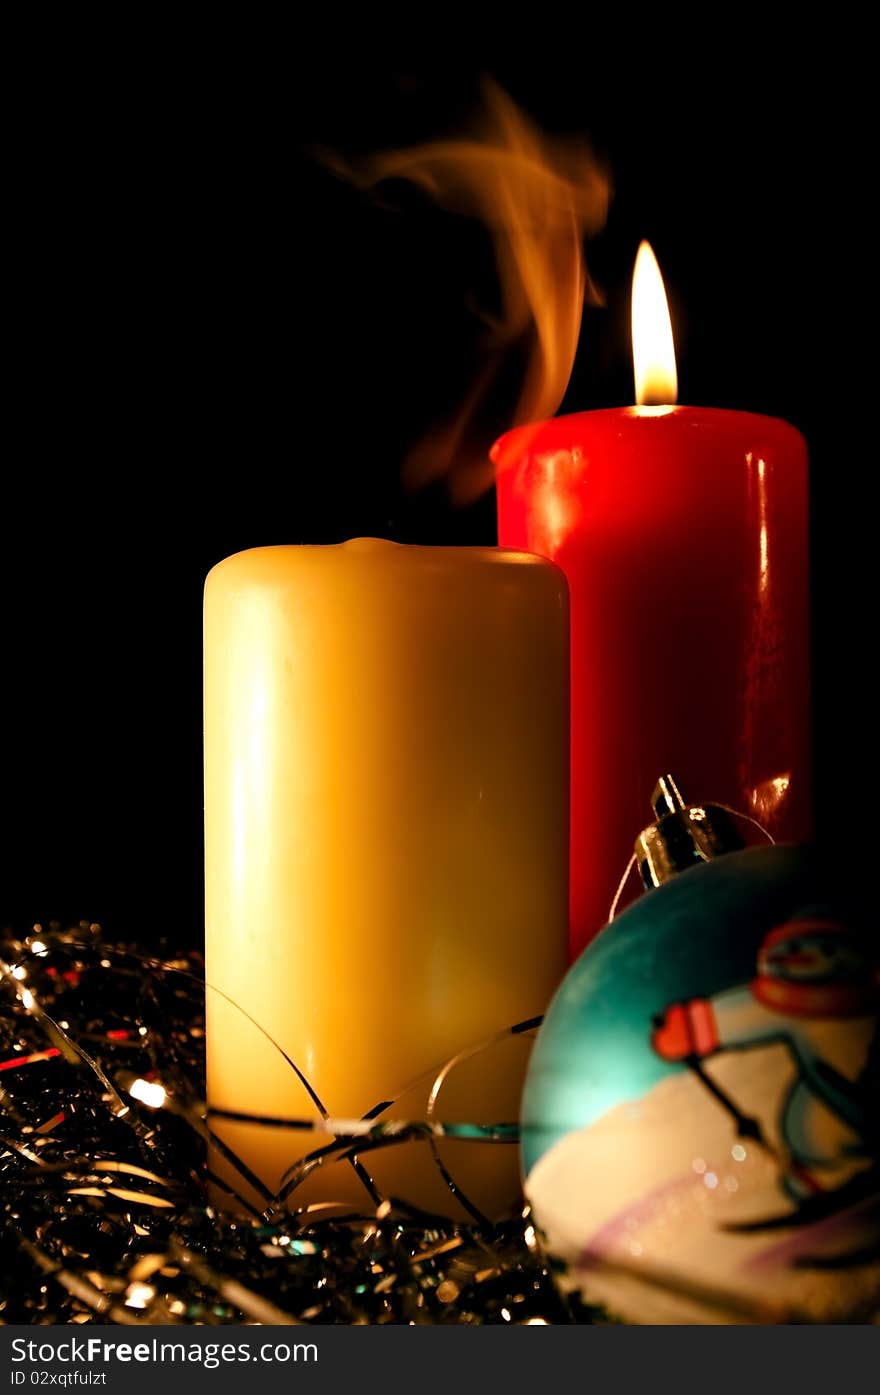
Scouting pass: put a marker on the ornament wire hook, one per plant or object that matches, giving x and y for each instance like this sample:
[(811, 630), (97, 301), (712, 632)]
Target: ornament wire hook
[(734, 813)]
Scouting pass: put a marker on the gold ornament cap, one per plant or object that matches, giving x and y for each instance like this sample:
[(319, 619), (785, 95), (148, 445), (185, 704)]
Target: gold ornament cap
[(682, 835)]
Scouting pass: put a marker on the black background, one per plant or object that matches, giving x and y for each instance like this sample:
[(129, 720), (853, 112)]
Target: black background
[(219, 345)]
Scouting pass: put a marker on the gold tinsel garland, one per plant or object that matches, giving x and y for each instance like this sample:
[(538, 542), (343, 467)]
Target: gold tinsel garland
[(106, 1214)]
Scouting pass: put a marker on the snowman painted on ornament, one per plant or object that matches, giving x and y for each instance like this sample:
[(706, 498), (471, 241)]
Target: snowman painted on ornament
[(702, 1112), (811, 973)]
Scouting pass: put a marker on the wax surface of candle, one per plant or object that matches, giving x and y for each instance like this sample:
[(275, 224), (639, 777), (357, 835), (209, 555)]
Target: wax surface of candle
[(683, 534), (386, 811)]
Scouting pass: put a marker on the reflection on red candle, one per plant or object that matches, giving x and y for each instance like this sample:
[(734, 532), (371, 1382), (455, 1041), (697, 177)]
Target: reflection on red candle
[(683, 534)]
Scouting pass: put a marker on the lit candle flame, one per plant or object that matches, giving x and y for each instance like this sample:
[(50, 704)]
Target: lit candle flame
[(653, 347)]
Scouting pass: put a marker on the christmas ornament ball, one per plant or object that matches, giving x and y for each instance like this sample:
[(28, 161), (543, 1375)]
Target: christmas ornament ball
[(700, 1119)]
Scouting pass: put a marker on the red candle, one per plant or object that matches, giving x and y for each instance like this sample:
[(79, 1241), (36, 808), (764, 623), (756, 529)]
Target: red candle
[(683, 534)]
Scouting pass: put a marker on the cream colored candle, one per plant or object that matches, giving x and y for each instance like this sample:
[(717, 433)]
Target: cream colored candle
[(386, 828)]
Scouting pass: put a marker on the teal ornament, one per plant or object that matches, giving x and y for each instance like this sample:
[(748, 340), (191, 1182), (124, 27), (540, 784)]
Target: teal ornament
[(700, 1117)]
